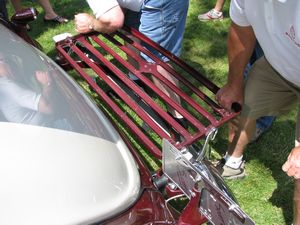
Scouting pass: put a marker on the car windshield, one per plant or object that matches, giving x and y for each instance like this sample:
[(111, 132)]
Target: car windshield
[(35, 91)]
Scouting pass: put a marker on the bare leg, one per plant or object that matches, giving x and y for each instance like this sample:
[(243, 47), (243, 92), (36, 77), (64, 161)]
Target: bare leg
[(45, 4), (240, 134), (16, 4), (166, 90), (49, 12), (136, 51), (297, 202), (219, 5)]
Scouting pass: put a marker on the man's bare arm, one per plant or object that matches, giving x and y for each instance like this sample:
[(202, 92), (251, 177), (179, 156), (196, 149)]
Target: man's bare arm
[(241, 42), (109, 22)]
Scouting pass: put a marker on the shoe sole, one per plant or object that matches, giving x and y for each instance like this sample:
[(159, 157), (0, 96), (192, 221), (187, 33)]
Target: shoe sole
[(207, 20), (235, 177)]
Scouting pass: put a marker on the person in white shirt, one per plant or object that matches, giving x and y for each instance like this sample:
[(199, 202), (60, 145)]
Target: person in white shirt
[(273, 85)]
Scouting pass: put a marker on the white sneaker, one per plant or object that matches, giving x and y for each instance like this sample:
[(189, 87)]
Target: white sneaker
[(211, 15)]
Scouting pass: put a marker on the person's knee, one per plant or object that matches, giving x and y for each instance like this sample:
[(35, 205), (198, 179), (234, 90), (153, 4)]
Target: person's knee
[(241, 123)]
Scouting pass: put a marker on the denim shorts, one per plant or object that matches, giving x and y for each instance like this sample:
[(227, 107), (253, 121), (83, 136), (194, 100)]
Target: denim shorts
[(163, 21)]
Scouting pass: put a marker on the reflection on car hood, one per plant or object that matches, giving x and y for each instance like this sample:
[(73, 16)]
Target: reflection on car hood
[(51, 176)]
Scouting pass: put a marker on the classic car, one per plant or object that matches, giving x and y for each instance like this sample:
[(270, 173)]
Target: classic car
[(65, 161)]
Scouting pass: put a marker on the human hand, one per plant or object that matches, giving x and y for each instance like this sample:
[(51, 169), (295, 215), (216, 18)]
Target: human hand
[(83, 23), (292, 165), (43, 78), (229, 95)]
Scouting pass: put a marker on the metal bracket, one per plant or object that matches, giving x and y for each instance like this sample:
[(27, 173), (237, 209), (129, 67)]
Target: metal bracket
[(210, 136)]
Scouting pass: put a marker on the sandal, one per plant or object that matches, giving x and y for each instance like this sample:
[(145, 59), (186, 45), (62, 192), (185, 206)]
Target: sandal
[(57, 19)]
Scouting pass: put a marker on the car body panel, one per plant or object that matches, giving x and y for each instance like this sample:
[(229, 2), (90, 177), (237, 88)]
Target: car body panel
[(66, 177)]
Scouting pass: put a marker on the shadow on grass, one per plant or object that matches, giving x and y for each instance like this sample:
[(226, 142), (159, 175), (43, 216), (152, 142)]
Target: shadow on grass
[(271, 150), (276, 145)]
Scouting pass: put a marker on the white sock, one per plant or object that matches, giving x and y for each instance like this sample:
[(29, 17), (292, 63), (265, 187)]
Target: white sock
[(219, 13), (233, 162), (226, 156)]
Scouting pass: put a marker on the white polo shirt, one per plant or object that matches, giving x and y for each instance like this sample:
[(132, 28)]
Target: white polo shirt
[(100, 7), (276, 24)]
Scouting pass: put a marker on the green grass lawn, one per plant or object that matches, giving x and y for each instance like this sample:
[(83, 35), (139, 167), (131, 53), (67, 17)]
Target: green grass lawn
[(266, 193)]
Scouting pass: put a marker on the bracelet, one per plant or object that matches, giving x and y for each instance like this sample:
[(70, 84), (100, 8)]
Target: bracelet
[(91, 26)]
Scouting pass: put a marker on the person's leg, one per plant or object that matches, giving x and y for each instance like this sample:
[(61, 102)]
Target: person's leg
[(166, 90), (266, 93), (17, 7), (219, 5), (240, 133), (16, 4), (50, 14), (164, 23), (240, 136)]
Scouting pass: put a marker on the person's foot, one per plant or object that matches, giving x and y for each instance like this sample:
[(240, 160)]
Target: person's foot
[(57, 19), (230, 173), (211, 15)]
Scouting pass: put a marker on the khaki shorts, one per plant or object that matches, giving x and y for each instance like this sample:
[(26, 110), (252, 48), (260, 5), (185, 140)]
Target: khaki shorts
[(268, 94)]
